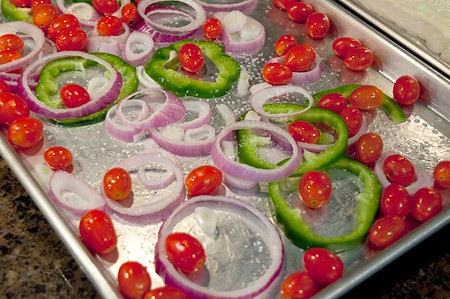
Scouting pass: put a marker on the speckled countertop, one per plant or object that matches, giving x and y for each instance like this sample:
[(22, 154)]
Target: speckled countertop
[(35, 264)]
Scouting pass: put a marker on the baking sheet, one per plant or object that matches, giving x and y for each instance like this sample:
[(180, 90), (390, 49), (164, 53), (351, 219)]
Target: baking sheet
[(424, 137)]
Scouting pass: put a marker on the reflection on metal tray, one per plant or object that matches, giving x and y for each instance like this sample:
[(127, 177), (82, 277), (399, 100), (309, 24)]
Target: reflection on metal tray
[(424, 138)]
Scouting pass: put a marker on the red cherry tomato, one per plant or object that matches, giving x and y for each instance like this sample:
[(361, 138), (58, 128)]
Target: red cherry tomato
[(134, 280), (213, 28), (117, 183), (318, 25), (130, 14), (300, 58), (315, 189), (358, 59), (353, 119), (11, 42), (304, 131), (185, 252), (298, 11), (21, 3), (322, 265), (366, 97), (299, 285), (165, 292), (26, 131), (43, 15), (58, 157), (369, 147), (426, 203), (12, 107), (60, 23), (74, 95), (282, 4), (97, 232), (109, 26), (36, 3), (276, 73), (406, 90), (204, 180), (343, 45), (441, 174), (10, 55), (395, 201), (191, 57), (284, 43), (71, 39), (387, 230), (335, 102), (399, 170), (4, 87), (106, 7)]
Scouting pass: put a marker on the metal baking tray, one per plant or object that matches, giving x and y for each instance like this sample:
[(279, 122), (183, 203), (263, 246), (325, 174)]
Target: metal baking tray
[(424, 137)]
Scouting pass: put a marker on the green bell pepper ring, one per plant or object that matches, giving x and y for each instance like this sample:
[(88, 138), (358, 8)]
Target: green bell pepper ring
[(167, 75), (389, 105), (302, 234), (13, 13)]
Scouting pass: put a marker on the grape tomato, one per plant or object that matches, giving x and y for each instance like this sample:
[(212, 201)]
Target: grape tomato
[(109, 26), (335, 102), (426, 203), (284, 43), (74, 95), (165, 292), (387, 230), (191, 57), (299, 285), (315, 189), (282, 4), (212, 28), (204, 180), (341, 46), (58, 157), (71, 39), (323, 265), (11, 42), (441, 174), (26, 132), (12, 107), (406, 90), (4, 87), (369, 147), (21, 3), (97, 232), (185, 252), (353, 118), (117, 183), (366, 97), (43, 15), (317, 25), (106, 7), (7, 56), (130, 14), (399, 170), (358, 59), (60, 23), (134, 280), (276, 73), (300, 58), (304, 131), (36, 3), (298, 11), (395, 201)]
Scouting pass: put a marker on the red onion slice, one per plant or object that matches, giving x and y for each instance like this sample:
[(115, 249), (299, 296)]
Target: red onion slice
[(252, 227), (203, 111), (106, 44), (18, 28), (73, 194), (138, 48), (159, 36), (245, 6)]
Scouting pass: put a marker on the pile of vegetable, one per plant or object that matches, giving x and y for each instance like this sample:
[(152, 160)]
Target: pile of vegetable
[(159, 71)]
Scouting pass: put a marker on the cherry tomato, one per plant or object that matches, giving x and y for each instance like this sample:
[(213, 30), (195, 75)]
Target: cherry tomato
[(343, 45), (322, 265), (4, 87), (58, 157), (441, 174), (117, 183), (11, 42), (353, 119), (12, 107), (109, 26), (299, 285), (43, 15), (185, 252), (106, 7), (74, 95), (298, 11), (134, 280), (304, 131), (358, 59), (315, 189), (276, 73), (335, 102), (26, 131), (366, 97), (165, 292), (281, 4), (300, 58), (284, 43), (395, 201), (60, 23), (387, 230), (369, 147), (213, 28), (21, 3), (426, 203), (406, 90), (36, 3), (204, 180), (130, 14), (97, 232), (10, 55), (71, 39), (399, 170), (191, 57), (318, 25)]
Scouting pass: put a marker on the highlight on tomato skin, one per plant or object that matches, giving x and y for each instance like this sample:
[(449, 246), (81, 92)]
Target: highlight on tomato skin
[(406, 90), (191, 57), (12, 107), (395, 201), (369, 147), (341, 46), (366, 97), (276, 73), (358, 59)]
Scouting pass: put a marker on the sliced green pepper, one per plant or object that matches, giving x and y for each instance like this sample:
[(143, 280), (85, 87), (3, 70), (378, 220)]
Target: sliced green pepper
[(302, 235), (13, 13), (167, 75), (389, 106)]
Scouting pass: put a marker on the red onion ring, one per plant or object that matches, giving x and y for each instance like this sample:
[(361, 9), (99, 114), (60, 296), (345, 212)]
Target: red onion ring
[(159, 36), (31, 30), (106, 44), (304, 77), (423, 179), (120, 39), (100, 100), (245, 6), (250, 173), (257, 222), (163, 182), (145, 79), (203, 111), (138, 48), (86, 198), (86, 14)]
